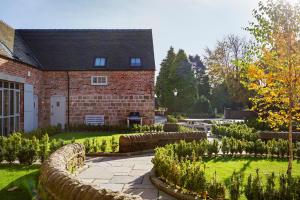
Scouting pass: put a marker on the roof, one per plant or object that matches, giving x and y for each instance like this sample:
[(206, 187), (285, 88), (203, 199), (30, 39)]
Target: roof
[(76, 49)]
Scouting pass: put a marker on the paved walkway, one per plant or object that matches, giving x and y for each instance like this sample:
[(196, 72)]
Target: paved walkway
[(127, 174)]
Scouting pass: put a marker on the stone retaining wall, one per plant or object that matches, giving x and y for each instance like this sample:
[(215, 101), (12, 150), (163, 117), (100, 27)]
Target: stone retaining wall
[(57, 182), (269, 135), (131, 143)]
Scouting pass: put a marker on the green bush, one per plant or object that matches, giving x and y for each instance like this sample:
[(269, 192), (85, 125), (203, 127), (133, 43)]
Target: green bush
[(213, 147), (215, 189), (103, 146), (235, 186), (88, 145), (237, 131), (172, 119), (95, 145), (28, 153), (2, 153), (44, 148), (225, 145), (10, 153), (254, 187), (114, 144), (298, 150)]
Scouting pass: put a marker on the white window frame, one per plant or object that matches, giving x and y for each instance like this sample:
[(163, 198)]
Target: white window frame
[(16, 113), (98, 82)]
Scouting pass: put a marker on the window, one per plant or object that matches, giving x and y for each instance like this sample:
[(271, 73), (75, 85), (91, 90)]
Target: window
[(9, 107), (135, 62), (100, 62), (99, 80)]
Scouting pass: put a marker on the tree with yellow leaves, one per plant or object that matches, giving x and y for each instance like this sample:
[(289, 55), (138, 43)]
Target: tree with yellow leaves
[(273, 72)]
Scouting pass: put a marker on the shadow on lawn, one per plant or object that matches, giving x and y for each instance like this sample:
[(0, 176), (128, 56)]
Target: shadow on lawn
[(26, 186)]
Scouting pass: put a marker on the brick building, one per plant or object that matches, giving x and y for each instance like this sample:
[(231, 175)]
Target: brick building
[(50, 76)]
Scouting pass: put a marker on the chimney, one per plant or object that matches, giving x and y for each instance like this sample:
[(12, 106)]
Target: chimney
[(7, 35)]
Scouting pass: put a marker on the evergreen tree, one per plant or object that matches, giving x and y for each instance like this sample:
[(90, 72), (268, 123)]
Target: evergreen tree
[(164, 88), (201, 75), (184, 81)]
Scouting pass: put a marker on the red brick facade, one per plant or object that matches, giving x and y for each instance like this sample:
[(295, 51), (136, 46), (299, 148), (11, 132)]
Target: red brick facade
[(127, 91)]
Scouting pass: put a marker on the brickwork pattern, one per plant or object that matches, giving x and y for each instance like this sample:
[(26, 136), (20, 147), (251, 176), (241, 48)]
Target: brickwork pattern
[(127, 91)]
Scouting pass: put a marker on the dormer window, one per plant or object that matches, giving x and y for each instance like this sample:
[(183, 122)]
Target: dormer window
[(135, 62), (100, 62)]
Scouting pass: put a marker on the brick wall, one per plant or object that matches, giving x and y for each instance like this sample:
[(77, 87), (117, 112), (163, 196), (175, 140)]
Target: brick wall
[(127, 91), (13, 68)]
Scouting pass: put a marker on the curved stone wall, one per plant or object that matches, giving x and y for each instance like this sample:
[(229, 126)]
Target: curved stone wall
[(57, 182), (131, 143)]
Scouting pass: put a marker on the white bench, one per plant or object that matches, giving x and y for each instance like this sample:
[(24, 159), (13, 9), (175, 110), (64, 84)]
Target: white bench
[(94, 119)]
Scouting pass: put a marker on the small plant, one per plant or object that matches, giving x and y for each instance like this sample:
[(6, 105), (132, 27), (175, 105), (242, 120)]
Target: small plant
[(27, 153), (172, 119), (225, 145), (114, 144), (2, 153), (215, 189), (88, 145), (44, 148), (254, 189), (103, 145), (95, 145), (270, 192), (213, 148), (235, 186), (10, 153)]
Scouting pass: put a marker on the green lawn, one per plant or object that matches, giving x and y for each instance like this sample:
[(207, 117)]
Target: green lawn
[(81, 136), (24, 177), (224, 167)]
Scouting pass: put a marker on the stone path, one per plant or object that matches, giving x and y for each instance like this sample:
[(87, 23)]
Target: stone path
[(127, 174)]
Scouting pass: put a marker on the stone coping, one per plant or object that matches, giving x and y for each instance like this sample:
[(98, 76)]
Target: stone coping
[(119, 154), (132, 143), (58, 183), (161, 185)]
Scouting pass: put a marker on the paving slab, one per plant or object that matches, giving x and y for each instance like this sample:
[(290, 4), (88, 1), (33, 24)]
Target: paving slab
[(125, 174)]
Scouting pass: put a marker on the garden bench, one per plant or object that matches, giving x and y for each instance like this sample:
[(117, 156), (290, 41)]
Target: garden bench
[(94, 119)]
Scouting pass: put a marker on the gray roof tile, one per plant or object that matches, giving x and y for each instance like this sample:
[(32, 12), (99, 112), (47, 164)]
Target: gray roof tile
[(71, 49)]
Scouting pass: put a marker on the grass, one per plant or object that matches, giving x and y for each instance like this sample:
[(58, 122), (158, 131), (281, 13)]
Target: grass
[(81, 136), (225, 166), (24, 177)]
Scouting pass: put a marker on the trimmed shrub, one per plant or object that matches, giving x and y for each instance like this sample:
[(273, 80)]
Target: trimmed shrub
[(2, 153), (28, 153), (103, 146), (88, 145), (235, 186), (114, 144), (44, 148), (213, 147), (237, 131)]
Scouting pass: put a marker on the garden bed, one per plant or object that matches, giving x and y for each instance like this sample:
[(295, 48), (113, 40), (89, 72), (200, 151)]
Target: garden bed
[(190, 169)]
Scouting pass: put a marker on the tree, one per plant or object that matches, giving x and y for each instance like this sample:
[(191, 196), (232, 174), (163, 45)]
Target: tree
[(184, 81), (274, 74), (164, 87), (201, 76), (222, 64)]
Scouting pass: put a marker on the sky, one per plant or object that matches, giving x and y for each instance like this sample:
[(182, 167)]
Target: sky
[(191, 25)]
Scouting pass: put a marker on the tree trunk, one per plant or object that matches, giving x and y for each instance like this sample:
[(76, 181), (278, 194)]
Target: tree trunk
[(290, 142)]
